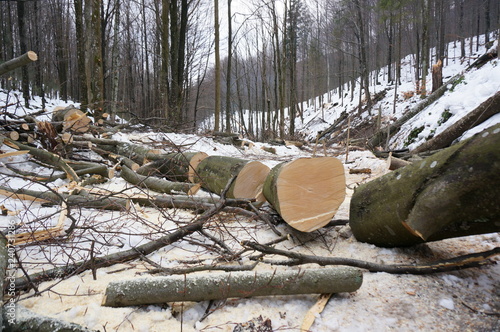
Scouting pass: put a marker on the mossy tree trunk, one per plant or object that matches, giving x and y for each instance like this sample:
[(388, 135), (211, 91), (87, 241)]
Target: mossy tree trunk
[(449, 194), (174, 166)]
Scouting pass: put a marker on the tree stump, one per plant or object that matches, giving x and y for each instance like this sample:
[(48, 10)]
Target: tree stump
[(306, 192)]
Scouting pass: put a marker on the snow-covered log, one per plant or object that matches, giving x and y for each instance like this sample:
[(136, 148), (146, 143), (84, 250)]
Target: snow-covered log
[(381, 136), (306, 192), (215, 172), (449, 194), (214, 286)]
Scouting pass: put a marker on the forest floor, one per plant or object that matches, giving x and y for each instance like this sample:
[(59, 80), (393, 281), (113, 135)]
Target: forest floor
[(467, 300)]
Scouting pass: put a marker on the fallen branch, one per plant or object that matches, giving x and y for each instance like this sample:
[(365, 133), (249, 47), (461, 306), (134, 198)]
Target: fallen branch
[(43, 155), (215, 286), (22, 283), (452, 264)]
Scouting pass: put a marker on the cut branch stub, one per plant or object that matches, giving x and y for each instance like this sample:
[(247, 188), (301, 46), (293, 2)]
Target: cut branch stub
[(214, 286), (215, 172), (306, 192), (174, 166)]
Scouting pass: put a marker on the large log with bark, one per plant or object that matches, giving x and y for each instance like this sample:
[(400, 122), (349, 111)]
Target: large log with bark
[(449, 194), (20, 61), (306, 192), (174, 166), (215, 286), (215, 172)]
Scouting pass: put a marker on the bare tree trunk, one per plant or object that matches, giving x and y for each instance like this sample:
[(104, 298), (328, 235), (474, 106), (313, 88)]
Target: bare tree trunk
[(217, 67), (94, 61)]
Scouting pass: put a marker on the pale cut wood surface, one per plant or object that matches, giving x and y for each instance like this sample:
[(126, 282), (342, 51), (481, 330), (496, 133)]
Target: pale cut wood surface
[(306, 192)]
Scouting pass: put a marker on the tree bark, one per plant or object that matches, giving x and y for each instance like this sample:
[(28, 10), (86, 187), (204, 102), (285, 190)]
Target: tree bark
[(482, 113), (306, 192), (215, 286), (157, 184), (215, 172), (20, 61), (448, 194), (175, 166)]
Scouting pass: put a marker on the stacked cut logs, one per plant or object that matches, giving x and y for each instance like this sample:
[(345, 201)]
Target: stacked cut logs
[(306, 192)]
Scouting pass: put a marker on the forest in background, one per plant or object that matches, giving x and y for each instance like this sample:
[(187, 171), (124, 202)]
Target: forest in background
[(166, 62)]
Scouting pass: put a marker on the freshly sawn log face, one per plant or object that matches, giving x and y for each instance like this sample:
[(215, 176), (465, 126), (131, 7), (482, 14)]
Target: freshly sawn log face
[(449, 194), (215, 172), (214, 286), (306, 192)]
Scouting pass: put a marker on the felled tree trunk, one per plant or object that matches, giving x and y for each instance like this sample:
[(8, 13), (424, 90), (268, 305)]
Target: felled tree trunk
[(20, 61), (175, 166), (306, 192), (482, 113), (381, 136), (157, 184), (215, 172), (216, 286), (449, 194)]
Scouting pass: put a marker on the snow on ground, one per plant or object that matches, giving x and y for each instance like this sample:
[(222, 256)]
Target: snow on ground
[(467, 300)]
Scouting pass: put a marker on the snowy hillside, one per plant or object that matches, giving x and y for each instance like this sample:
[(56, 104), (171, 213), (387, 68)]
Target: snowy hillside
[(461, 300), (477, 86)]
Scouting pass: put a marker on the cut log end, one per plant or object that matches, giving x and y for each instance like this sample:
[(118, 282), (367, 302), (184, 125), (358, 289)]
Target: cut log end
[(193, 163), (250, 181), (308, 192)]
